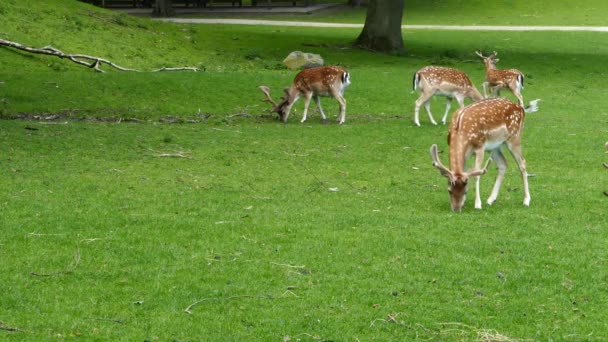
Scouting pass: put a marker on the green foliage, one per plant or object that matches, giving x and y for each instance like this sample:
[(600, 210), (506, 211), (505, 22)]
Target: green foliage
[(188, 190)]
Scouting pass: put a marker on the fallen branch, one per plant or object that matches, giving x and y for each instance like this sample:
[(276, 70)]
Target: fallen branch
[(117, 321), (288, 265), (69, 269), (178, 154), (187, 310), (173, 155), (6, 328), (85, 60)]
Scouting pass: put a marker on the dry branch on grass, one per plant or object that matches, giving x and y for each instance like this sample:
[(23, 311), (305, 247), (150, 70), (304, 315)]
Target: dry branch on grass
[(188, 309), (111, 320), (85, 60), (7, 328), (178, 154)]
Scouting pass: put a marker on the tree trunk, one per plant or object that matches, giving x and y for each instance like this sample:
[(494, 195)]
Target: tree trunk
[(163, 8), (382, 29)]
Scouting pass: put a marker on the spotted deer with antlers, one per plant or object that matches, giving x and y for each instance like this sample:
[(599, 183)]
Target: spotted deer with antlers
[(497, 79), (441, 81), (486, 125), (312, 83)]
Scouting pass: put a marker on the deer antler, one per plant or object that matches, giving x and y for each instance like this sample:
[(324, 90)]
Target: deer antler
[(475, 173), (479, 54), (439, 165), (266, 91)]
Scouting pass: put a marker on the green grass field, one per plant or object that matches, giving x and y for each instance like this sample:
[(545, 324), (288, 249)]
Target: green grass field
[(116, 221)]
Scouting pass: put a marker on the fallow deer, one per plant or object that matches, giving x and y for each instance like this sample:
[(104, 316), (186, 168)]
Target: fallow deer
[(314, 82), (497, 79), (441, 81), (486, 125)]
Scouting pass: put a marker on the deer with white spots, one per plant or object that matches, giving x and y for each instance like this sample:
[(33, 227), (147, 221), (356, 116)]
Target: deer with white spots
[(486, 125), (497, 79), (314, 82), (441, 81)]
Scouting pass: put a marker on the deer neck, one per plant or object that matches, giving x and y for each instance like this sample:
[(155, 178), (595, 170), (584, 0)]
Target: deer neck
[(473, 93), (459, 152)]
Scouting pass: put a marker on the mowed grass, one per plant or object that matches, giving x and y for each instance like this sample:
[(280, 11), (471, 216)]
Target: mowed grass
[(292, 231), (343, 227)]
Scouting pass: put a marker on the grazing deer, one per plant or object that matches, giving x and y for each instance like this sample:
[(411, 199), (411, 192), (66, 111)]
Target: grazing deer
[(497, 79), (441, 81), (314, 82), (483, 126)]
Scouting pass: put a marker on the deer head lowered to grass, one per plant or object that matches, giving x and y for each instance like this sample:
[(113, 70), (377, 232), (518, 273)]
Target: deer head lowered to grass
[(497, 79), (486, 125), (314, 82), (441, 81)]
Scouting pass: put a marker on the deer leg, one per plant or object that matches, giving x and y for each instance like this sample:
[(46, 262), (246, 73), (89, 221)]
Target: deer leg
[(515, 149), (422, 100), (501, 164), (307, 98), (448, 105), (427, 106), (485, 89), (478, 165), (496, 91), (318, 102), (342, 102)]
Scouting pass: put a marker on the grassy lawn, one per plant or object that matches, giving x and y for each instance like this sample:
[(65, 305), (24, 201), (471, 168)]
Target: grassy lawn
[(112, 228)]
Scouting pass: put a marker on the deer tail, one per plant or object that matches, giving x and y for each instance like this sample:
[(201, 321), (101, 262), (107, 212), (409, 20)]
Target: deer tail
[(415, 81), (532, 106)]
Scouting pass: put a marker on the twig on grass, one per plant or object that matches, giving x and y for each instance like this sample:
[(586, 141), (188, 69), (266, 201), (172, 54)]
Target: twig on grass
[(314, 337), (40, 234), (174, 155), (188, 309), (486, 335), (288, 265), (7, 328), (69, 269), (117, 321), (288, 292), (241, 115), (225, 130), (178, 154)]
